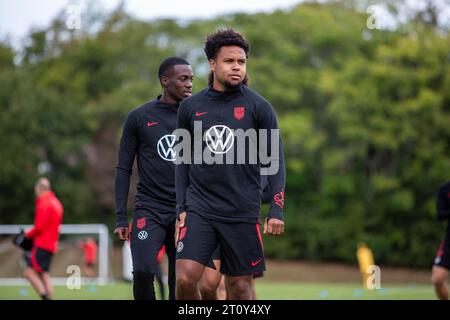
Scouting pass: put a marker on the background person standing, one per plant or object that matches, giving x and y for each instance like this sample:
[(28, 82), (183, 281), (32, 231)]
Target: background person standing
[(45, 235)]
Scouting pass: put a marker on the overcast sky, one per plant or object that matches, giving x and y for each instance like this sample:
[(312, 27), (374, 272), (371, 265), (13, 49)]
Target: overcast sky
[(18, 16)]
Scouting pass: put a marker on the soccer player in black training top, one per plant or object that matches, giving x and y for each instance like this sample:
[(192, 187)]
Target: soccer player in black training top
[(439, 275), (220, 203), (147, 133)]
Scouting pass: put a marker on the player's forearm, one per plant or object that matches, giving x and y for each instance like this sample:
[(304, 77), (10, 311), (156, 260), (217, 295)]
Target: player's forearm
[(31, 233), (266, 195), (40, 223), (38, 228), (443, 204), (124, 168), (276, 186), (443, 214), (182, 169), (121, 188), (181, 184)]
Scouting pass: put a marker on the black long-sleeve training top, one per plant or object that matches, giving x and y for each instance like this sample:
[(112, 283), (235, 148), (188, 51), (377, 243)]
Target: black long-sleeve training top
[(228, 192), (147, 133), (443, 203)]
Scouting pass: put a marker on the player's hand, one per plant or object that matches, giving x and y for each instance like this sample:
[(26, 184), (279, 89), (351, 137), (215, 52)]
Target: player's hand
[(178, 225), (122, 233), (274, 227)]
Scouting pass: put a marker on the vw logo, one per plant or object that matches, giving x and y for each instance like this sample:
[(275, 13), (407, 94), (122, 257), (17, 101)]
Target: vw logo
[(142, 235), (219, 139), (165, 147)]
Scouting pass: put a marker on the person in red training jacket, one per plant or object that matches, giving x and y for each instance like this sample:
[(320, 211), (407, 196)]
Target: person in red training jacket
[(90, 250), (45, 234)]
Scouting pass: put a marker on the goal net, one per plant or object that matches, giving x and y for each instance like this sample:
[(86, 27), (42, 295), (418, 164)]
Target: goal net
[(70, 255)]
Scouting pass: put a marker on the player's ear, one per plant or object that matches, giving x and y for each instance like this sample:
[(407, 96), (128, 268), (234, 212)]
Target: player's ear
[(164, 81), (212, 65)]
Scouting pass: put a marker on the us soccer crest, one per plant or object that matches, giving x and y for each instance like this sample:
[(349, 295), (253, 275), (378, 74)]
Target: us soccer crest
[(239, 112)]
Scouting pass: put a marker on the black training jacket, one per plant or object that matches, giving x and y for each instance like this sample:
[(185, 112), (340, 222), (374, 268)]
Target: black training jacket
[(227, 192), (147, 133)]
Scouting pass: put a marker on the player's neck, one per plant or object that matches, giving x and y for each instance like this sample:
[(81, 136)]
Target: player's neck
[(217, 86), (167, 99)]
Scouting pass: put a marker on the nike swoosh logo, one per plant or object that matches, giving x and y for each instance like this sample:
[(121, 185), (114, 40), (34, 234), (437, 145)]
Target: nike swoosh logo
[(149, 124), (254, 263), (199, 114)]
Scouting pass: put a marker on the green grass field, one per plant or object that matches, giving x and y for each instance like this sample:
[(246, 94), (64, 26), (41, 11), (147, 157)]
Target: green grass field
[(264, 290)]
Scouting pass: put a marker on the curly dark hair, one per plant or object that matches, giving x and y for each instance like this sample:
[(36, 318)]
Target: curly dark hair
[(224, 37)]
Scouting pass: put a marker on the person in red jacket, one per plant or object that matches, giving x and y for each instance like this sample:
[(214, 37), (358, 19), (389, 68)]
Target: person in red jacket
[(45, 234), (90, 250)]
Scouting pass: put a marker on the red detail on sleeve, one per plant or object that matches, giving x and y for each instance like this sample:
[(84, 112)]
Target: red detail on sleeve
[(279, 199)]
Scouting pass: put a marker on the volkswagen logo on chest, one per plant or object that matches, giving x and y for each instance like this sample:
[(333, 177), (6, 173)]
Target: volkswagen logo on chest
[(165, 147), (219, 139)]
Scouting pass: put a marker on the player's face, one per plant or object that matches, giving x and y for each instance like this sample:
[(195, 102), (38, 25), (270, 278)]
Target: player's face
[(178, 83), (230, 67)]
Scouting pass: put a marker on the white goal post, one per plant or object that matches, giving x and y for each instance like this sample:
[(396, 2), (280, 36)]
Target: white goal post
[(70, 229)]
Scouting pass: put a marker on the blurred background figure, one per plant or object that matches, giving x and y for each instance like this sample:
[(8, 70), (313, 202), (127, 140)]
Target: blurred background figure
[(127, 262), (365, 261), (90, 249), (45, 234)]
